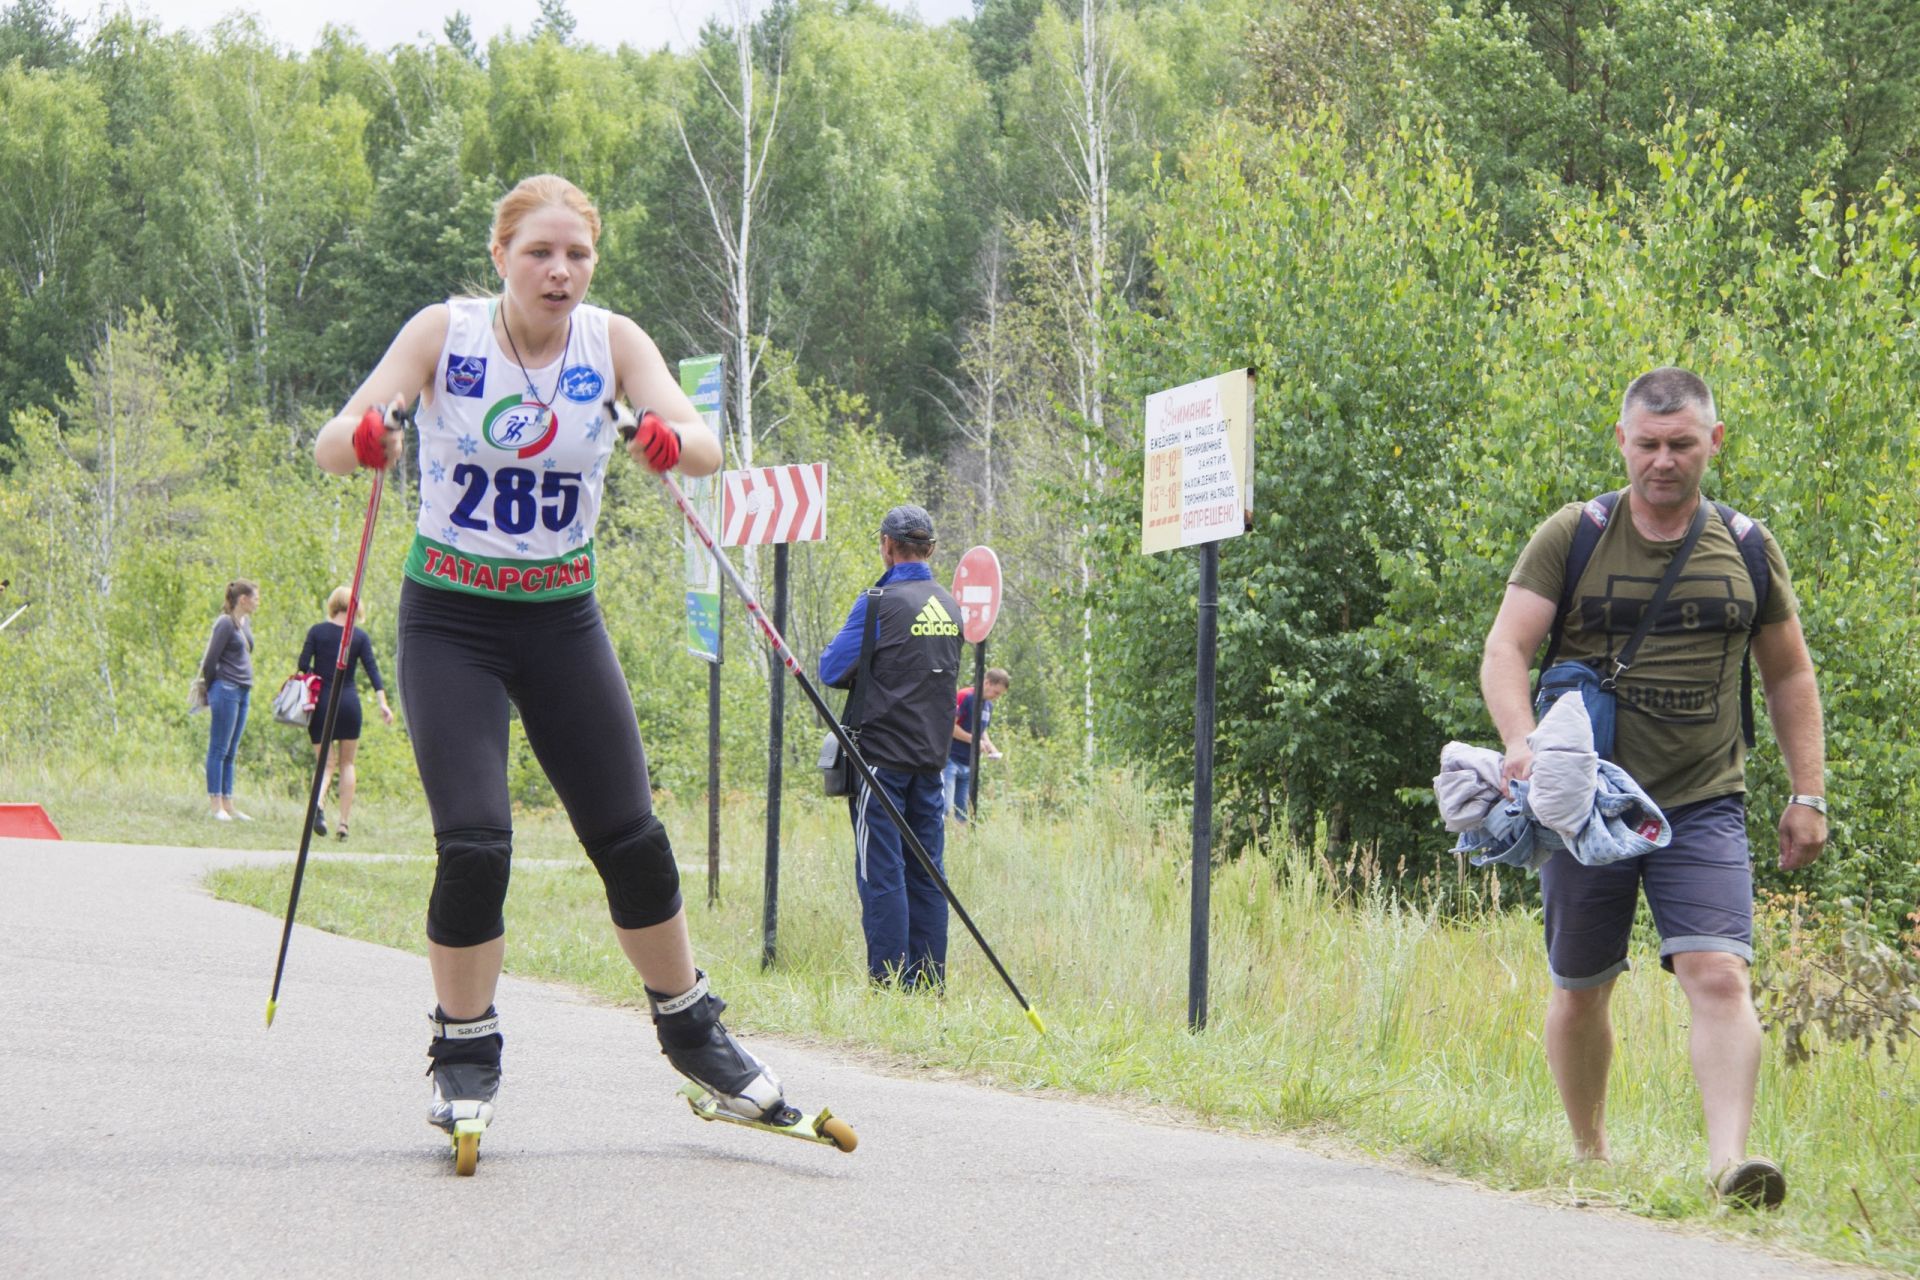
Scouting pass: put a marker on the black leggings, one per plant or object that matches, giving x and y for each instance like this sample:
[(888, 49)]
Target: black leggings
[(462, 660)]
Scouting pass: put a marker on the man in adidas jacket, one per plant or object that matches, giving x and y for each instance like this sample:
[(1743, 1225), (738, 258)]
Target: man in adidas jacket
[(905, 723), (1679, 734)]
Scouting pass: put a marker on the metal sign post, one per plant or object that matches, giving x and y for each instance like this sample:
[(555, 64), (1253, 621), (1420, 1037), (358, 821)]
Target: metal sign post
[(1203, 711), (778, 505), (703, 378), (976, 589), (1199, 491), (713, 752), (776, 740)]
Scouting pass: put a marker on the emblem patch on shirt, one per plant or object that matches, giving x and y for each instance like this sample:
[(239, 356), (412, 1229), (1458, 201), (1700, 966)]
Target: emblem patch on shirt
[(523, 427), (467, 376), (581, 383)]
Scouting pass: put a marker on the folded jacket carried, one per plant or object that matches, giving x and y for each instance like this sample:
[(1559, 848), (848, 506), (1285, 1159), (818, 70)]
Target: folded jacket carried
[(1574, 800)]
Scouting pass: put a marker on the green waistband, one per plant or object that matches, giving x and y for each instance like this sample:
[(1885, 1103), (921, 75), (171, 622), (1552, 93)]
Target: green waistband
[(436, 564)]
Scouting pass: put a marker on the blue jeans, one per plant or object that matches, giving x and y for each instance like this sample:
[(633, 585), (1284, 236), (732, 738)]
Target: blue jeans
[(902, 910), (227, 702), (956, 782)]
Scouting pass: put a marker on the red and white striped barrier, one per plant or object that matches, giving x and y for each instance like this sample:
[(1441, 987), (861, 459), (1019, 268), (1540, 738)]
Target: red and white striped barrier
[(774, 504)]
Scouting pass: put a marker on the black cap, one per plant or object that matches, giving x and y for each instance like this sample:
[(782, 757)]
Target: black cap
[(908, 524)]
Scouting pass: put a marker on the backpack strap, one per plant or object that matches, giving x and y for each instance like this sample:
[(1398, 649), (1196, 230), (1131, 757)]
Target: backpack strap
[(1753, 551), (1586, 536)]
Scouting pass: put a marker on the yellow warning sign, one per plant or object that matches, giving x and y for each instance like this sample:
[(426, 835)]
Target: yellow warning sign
[(1199, 463)]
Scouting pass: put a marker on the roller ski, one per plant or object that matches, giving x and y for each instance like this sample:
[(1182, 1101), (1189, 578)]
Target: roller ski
[(724, 1081), (465, 1070)]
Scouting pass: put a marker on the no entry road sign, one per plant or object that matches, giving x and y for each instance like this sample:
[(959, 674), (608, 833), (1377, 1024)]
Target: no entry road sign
[(976, 586)]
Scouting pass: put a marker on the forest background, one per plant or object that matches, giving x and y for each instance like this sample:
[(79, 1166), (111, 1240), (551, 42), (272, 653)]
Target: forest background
[(951, 262)]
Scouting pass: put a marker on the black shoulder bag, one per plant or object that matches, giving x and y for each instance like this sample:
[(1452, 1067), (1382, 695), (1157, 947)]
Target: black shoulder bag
[(836, 766)]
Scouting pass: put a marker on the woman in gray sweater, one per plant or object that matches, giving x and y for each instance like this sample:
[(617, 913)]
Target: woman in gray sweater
[(228, 671)]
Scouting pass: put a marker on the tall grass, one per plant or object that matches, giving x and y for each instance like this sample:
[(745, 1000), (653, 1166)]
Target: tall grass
[(1388, 1029)]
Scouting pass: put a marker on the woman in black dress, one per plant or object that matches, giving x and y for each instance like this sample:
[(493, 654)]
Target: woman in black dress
[(321, 656)]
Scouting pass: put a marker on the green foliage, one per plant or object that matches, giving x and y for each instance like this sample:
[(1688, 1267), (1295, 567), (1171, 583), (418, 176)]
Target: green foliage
[(1819, 992), (424, 240), (246, 227), (1566, 93), (1807, 343), (1360, 291), (53, 197), (35, 33), (885, 137)]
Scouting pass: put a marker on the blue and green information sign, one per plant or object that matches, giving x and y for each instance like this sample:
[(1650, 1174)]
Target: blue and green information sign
[(702, 379)]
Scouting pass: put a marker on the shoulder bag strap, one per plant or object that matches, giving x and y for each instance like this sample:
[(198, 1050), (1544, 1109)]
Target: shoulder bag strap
[(856, 708), (1660, 594)]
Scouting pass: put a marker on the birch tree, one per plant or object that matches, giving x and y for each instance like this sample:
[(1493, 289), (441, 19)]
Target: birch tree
[(1079, 80), (733, 197), (977, 398), (254, 174)]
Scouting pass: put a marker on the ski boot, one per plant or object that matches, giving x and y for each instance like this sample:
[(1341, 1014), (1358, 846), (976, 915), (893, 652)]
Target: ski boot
[(724, 1081), (466, 1076)]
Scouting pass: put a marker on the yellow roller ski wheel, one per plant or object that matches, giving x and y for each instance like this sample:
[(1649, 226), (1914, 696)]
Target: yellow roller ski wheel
[(466, 1150), (839, 1133)]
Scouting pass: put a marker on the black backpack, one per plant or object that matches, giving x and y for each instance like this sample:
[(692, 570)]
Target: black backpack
[(1753, 551)]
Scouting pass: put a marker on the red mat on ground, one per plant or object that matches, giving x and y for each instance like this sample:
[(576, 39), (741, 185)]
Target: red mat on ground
[(27, 822)]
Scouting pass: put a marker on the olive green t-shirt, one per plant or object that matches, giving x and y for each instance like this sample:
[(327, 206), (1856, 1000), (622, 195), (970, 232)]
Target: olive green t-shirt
[(1678, 725)]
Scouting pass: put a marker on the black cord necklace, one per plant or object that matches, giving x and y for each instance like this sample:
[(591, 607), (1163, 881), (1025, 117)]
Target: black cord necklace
[(511, 346)]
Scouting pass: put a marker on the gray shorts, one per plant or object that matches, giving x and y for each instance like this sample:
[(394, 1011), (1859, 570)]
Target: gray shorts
[(1699, 888)]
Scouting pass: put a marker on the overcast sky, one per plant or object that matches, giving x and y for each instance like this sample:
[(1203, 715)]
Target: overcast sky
[(645, 24)]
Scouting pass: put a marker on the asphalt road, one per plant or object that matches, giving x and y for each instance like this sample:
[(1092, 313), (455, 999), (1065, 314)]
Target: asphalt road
[(149, 1126)]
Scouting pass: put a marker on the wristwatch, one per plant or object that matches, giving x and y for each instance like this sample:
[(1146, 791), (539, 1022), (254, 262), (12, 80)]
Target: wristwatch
[(1817, 803)]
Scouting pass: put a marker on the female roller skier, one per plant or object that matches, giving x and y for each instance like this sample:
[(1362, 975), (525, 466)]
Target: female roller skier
[(497, 607)]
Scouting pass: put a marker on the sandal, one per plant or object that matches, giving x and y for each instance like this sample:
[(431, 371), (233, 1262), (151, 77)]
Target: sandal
[(1752, 1184), (341, 834)]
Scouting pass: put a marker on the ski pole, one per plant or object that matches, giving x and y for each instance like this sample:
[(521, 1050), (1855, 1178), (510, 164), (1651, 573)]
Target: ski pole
[(623, 418), (393, 418)]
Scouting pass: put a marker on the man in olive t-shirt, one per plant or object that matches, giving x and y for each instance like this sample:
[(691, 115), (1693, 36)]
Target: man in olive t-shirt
[(1678, 734)]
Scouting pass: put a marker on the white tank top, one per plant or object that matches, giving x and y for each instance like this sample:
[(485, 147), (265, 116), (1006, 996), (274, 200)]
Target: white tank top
[(512, 461)]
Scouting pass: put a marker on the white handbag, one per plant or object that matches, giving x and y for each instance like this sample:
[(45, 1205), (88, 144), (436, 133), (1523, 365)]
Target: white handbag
[(296, 700)]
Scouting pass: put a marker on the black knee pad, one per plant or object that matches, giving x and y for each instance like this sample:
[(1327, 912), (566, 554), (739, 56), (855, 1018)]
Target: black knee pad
[(636, 864), (469, 886)]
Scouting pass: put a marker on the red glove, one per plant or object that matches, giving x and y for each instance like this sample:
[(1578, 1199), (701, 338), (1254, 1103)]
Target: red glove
[(660, 442), (370, 439)]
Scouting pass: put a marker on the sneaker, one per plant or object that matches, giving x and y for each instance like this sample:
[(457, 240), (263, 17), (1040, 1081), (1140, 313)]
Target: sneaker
[(319, 822), (239, 816), (1754, 1183), (221, 815)]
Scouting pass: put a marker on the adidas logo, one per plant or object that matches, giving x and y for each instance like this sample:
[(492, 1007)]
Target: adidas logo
[(934, 620)]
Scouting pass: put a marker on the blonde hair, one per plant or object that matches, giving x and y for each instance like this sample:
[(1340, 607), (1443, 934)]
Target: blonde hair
[(535, 193), (237, 588), (338, 602)]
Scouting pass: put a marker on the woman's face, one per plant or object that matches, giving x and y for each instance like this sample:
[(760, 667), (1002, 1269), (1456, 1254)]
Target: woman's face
[(246, 604), (548, 264)]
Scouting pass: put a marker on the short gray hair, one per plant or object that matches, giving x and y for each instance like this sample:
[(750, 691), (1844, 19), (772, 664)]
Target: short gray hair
[(1669, 390)]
